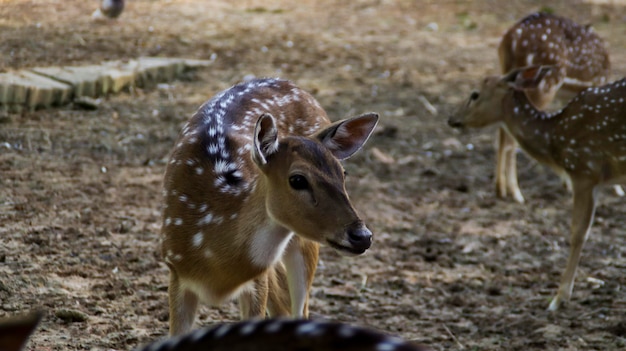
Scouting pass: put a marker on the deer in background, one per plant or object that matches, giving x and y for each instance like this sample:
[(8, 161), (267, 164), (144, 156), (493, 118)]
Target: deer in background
[(581, 61), (253, 186), (585, 142)]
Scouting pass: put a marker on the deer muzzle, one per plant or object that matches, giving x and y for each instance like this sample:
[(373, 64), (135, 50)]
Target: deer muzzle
[(357, 239)]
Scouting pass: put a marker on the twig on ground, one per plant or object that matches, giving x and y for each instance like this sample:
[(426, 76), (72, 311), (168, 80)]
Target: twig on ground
[(453, 337)]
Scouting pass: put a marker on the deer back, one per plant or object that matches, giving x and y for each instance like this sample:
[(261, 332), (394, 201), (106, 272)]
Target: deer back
[(546, 39)]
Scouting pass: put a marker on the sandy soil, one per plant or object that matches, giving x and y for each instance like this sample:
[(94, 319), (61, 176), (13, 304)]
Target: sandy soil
[(452, 266)]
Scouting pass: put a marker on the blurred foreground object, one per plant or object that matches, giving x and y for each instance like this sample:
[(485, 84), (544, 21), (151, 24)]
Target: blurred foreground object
[(283, 335), (109, 8), (14, 331)]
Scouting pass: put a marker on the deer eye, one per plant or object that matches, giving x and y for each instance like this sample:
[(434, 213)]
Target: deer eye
[(474, 96), (298, 182)]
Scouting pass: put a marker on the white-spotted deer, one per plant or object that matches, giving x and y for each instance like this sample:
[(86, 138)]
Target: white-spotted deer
[(585, 142), (252, 187), (284, 335), (545, 39)]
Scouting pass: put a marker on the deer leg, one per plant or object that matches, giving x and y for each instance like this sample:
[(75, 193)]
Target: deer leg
[(511, 171), (501, 164), (301, 262), (506, 167), (582, 217), (278, 301), (183, 306), (310, 251), (253, 301)]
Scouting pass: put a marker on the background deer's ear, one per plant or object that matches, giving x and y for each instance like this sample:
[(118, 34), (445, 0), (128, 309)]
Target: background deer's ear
[(265, 139), (344, 138), (528, 77)]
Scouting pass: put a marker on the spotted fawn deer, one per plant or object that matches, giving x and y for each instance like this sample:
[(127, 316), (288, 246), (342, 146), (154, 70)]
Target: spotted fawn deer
[(14, 331), (253, 186), (581, 59), (284, 335), (585, 142)]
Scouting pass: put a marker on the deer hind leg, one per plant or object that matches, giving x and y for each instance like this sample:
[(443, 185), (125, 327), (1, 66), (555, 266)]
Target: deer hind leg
[(300, 261), (278, 301), (582, 217), (183, 305), (253, 300)]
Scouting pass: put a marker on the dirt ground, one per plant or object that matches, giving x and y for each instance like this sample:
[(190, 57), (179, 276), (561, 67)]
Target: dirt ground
[(451, 265)]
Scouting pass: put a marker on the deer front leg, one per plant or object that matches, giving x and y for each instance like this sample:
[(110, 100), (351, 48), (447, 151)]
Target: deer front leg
[(501, 164), (582, 217), (300, 261), (183, 305), (506, 179), (511, 171), (253, 301)]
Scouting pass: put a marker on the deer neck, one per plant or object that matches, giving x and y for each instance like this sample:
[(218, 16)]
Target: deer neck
[(529, 126), (266, 239)]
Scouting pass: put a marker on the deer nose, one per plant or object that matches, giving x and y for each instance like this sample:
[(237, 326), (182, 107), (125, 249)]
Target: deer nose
[(360, 237)]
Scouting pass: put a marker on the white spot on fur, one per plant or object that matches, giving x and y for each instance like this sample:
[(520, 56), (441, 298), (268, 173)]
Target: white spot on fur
[(274, 326), (248, 328), (389, 344), (309, 328), (222, 330), (206, 219), (197, 239), (346, 331)]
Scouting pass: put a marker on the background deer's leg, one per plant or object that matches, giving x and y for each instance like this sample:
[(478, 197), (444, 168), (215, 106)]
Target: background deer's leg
[(183, 305), (506, 176), (511, 169), (582, 217)]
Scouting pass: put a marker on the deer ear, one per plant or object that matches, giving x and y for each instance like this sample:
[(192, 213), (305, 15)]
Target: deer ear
[(344, 138), (528, 77), (265, 139)]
